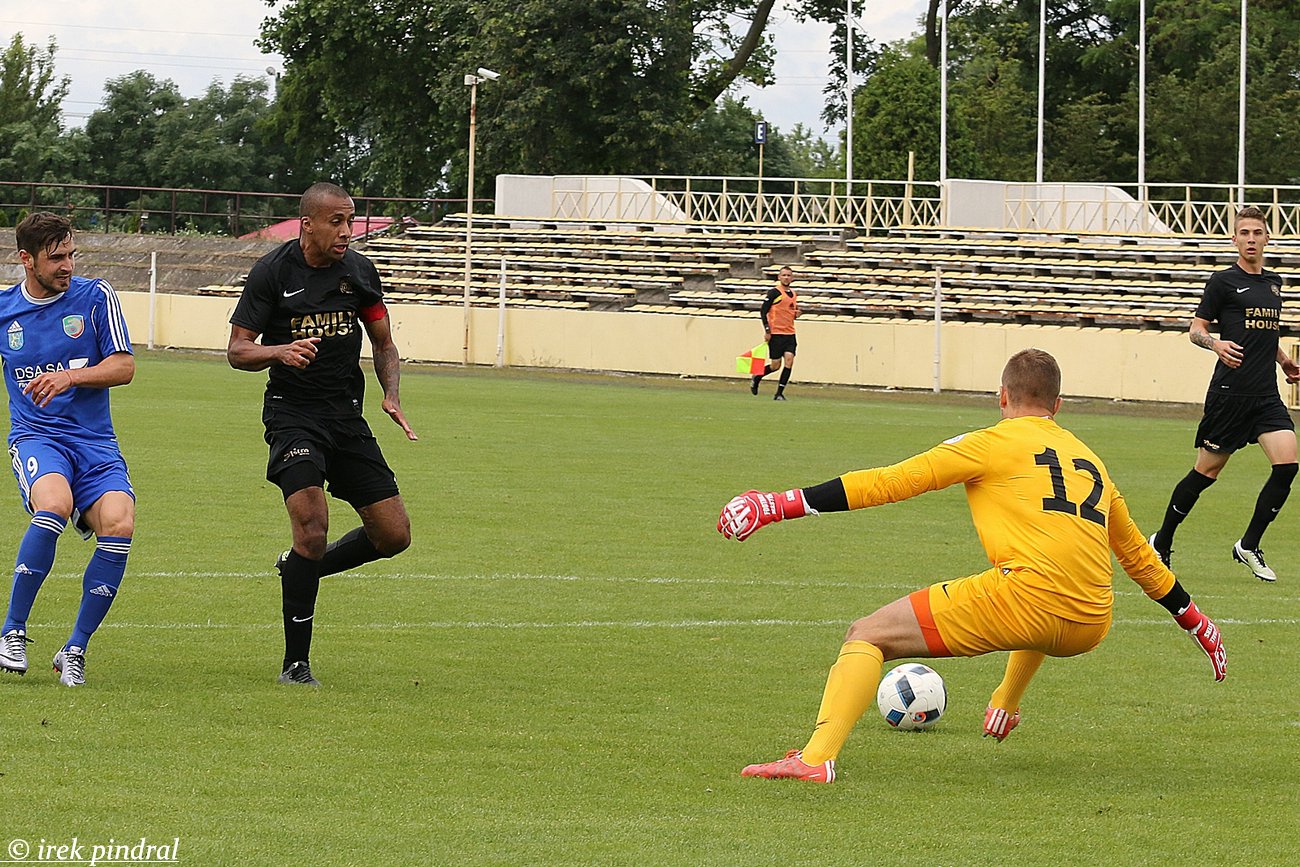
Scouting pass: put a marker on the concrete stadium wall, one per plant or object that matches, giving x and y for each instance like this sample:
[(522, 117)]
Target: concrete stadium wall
[(1100, 363)]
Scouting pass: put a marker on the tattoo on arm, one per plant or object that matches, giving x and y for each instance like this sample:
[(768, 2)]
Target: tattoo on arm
[(388, 368), (1203, 340)]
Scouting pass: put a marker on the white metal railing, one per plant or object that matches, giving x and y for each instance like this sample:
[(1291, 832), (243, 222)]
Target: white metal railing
[(867, 205), (1178, 209)]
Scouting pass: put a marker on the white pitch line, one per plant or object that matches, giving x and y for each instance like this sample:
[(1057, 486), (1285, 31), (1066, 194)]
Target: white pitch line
[(524, 576), (863, 584), (589, 624)]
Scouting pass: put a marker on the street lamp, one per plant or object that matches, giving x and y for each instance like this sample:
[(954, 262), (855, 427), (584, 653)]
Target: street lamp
[(851, 23), (472, 81)]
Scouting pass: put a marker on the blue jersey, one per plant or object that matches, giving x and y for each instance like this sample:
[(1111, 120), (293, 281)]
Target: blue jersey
[(74, 329)]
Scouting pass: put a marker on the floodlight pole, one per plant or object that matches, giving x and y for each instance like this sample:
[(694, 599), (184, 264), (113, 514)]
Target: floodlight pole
[(1241, 116), (848, 98), (943, 96), (850, 24), (1142, 111), (472, 81), (1042, 87)]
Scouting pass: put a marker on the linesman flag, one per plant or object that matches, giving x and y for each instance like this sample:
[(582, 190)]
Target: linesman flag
[(754, 361)]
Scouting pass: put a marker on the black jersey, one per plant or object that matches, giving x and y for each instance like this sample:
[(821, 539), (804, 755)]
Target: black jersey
[(285, 299), (1248, 308)]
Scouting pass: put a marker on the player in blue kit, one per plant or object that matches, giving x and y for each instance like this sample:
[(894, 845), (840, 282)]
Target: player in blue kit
[(65, 344)]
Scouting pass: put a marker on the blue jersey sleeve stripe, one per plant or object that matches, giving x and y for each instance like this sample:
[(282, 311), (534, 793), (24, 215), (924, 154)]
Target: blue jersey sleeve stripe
[(116, 322)]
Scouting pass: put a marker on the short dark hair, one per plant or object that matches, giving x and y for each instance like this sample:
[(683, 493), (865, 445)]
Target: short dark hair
[(317, 193), (1250, 212), (1032, 376), (42, 232)]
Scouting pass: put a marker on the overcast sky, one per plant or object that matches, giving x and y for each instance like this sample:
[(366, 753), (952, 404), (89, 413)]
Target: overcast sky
[(193, 42)]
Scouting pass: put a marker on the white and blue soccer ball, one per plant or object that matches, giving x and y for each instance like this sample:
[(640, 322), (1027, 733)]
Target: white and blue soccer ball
[(912, 697)]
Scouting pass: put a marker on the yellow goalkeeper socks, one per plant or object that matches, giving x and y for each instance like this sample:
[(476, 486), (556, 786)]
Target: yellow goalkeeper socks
[(850, 688), (1022, 665)]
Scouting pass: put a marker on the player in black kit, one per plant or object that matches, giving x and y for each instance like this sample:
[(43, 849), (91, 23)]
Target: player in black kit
[(309, 300), (1242, 405)]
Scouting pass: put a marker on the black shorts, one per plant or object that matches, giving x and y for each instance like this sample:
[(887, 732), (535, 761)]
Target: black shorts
[(780, 344), (1233, 421), (344, 450)]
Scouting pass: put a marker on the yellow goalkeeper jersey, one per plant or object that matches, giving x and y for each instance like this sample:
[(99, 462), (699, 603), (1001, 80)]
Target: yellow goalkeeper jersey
[(1045, 508)]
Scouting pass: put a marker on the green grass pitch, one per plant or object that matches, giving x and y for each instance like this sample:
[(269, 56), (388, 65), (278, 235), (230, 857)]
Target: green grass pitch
[(570, 666)]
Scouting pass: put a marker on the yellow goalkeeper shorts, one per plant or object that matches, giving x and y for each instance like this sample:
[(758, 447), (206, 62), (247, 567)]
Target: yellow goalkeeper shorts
[(983, 613)]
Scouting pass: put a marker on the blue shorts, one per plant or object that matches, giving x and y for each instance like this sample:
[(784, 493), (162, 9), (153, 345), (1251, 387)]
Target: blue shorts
[(91, 469)]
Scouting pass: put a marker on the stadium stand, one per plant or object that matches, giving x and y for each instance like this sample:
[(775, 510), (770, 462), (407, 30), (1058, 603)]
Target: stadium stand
[(1080, 279)]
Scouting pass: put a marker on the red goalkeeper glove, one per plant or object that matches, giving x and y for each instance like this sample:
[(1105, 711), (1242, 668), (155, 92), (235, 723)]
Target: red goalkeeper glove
[(753, 509), (1207, 635)]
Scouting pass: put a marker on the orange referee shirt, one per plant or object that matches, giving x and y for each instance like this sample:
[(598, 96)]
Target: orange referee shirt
[(784, 309)]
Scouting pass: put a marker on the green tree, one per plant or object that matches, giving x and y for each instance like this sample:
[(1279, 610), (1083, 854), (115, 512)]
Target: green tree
[(600, 87), (127, 127), (1092, 92), (811, 155), (990, 103), (146, 135), (721, 142), (32, 143), (897, 114), (216, 141)]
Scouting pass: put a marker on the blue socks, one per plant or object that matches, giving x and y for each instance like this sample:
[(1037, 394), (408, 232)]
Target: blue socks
[(99, 586), (35, 558)]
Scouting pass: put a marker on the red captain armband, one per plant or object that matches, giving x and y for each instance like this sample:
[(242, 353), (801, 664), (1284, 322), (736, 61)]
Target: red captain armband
[(373, 313)]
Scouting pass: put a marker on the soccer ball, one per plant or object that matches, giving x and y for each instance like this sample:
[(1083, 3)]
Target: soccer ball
[(912, 697)]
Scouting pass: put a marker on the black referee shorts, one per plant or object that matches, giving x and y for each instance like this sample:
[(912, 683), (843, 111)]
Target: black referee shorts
[(780, 344), (1233, 421), (344, 450)]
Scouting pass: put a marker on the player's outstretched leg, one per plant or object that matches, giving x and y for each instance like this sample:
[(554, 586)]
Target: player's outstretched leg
[(850, 688)]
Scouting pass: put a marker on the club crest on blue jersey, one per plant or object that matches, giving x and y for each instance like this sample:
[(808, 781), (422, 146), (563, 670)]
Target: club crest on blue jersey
[(73, 326), (15, 336)]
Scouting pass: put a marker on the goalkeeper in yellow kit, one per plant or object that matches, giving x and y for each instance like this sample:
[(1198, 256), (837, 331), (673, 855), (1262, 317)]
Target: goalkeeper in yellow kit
[(1048, 516)]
